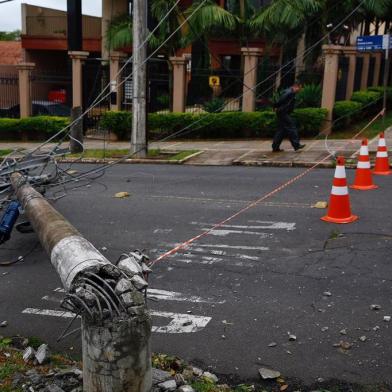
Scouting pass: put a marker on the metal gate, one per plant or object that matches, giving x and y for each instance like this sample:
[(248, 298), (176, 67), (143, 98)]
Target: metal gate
[(358, 74), (341, 86), (9, 93), (158, 86), (49, 87), (95, 80)]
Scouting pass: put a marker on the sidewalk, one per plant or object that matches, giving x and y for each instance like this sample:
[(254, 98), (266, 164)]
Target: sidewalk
[(244, 152)]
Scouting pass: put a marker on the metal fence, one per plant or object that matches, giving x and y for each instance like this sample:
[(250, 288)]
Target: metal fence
[(158, 87), (95, 79), (9, 94), (223, 96), (51, 92)]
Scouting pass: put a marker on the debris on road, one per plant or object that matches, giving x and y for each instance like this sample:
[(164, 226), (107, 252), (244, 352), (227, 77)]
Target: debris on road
[(273, 344), (28, 354), (269, 374), (321, 205), (343, 345), (292, 338), (122, 195), (4, 324), (375, 307), (327, 294), (387, 319), (42, 354), (363, 338), (210, 377)]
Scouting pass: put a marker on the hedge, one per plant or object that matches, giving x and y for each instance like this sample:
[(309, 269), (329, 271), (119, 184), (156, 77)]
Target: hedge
[(366, 97), (344, 112), (214, 125), (31, 128), (362, 104)]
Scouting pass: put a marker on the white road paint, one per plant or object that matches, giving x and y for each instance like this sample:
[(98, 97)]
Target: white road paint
[(239, 247), (224, 233), (49, 313), (162, 231), (289, 226), (174, 296), (262, 225), (266, 203), (180, 323), (162, 295)]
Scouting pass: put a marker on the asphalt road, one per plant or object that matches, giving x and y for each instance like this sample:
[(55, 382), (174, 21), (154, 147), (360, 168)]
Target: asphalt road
[(247, 284)]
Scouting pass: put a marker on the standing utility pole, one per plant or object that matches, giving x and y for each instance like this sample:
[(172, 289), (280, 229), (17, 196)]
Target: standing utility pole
[(139, 103)]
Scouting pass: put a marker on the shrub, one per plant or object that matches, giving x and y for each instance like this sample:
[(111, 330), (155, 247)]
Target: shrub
[(216, 105), (221, 125), (309, 96), (366, 97), (380, 89), (310, 120), (120, 123), (231, 124), (344, 111), (31, 128)]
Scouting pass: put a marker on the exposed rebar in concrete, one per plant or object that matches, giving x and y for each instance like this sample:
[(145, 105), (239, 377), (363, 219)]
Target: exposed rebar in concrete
[(116, 325)]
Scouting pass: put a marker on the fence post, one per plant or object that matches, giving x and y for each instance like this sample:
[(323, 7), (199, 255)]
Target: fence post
[(351, 53), (365, 71), (24, 70), (115, 80), (77, 76), (179, 83), (331, 53), (251, 56)]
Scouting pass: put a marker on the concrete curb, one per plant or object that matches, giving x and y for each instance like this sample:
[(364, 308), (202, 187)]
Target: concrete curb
[(131, 160)]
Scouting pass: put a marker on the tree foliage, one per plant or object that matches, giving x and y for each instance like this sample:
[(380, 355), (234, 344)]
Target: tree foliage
[(10, 35)]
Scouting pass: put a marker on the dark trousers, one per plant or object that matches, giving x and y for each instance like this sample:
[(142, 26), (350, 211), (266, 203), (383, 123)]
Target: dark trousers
[(286, 128)]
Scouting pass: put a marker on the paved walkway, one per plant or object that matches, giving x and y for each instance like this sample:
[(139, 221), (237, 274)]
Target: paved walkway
[(243, 152)]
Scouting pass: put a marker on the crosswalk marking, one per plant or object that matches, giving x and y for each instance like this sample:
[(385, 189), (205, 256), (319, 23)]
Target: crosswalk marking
[(179, 323), (153, 294)]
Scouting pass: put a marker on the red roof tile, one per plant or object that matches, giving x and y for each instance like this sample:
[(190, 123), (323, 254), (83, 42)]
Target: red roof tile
[(10, 52)]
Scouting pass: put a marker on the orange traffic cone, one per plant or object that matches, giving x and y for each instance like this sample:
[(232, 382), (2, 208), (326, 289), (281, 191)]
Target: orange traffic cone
[(382, 167), (339, 204), (363, 175)]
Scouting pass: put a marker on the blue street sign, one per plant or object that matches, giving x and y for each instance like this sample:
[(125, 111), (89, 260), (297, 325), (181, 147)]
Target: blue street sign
[(373, 42)]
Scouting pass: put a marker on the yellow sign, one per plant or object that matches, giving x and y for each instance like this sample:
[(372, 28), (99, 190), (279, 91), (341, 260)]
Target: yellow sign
[(214, 81)]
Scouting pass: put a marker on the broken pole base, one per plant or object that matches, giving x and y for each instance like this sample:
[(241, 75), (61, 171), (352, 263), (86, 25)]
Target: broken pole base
[(117, 355)]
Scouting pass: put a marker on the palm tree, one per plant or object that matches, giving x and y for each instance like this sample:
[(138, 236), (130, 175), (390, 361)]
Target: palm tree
[(119, 34)]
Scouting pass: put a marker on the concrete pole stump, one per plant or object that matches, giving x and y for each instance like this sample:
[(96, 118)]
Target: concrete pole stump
[(117, 355)]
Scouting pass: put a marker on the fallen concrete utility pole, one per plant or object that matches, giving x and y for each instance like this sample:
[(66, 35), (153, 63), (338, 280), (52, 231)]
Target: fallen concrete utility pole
[(116, 326)]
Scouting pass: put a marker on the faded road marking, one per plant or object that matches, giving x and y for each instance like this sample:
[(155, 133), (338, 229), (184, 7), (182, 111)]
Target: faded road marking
[(163, 295), (174, 296), (180, 323), (262, 225), (265, 204)]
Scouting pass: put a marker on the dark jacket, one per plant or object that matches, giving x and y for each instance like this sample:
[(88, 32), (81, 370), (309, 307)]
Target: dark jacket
[(286, 102)]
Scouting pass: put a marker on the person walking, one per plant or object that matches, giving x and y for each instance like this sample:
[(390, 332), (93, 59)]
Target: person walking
[(286, 124)]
